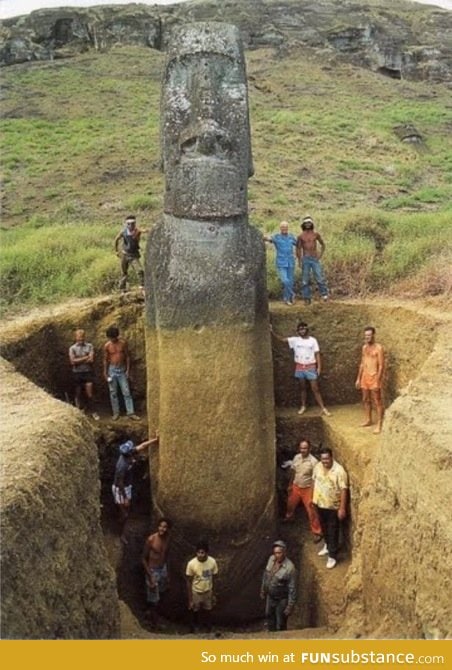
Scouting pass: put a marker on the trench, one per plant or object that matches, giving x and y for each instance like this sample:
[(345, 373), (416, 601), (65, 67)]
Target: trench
[(338, 327)]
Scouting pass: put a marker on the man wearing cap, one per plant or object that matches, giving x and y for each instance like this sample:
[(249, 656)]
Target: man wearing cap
[(309, 257), (122, 483), (285, 243), (279, 587), (130, 253)]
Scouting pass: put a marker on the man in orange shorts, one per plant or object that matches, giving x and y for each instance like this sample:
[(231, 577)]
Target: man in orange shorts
[(370, 378), (301, 487)]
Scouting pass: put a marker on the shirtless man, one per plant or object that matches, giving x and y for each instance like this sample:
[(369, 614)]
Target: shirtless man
[(116, 372), (154, 561), (370, 377), (309, 259)]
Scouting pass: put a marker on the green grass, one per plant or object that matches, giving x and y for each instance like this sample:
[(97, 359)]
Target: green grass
[(80, 151)]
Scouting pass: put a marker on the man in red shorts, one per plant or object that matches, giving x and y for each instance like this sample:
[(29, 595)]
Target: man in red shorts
[(370, 378)]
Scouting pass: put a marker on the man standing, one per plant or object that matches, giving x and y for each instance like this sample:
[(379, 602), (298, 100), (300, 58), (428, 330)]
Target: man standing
[(116, 372), (285, 244), (200, 574), (154, 561), (122, 483), (309, 258), (330, 499), (81, 357), (370, 378), (130, 253), (308, 365), (279, 587), (301, 487)]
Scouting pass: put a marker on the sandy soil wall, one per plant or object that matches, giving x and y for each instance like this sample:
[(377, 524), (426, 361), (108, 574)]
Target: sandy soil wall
[(406, 548), (56, 581)]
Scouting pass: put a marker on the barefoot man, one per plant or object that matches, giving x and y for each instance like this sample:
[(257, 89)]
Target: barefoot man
[(370, 377), (154, 562)]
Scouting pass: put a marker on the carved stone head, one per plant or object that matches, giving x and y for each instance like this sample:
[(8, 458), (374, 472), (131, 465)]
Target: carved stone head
[(205, 133)]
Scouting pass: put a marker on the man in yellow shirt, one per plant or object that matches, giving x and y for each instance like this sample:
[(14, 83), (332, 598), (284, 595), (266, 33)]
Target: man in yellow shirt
[(330, 499)]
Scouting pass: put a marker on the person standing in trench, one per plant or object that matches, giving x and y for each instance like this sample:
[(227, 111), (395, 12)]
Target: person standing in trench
[(279, 587), (308, 364), (370, 378)]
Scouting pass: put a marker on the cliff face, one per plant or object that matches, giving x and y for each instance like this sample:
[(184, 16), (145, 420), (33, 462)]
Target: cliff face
[(397, 39)]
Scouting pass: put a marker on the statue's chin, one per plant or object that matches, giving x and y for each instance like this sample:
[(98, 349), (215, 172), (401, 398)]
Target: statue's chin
[(205, 187)]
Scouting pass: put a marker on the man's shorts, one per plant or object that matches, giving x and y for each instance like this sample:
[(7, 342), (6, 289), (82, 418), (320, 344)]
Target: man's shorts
[(369, 383), (82, 378), (118, 497), (202, 600), (309, 374), (153, 593)]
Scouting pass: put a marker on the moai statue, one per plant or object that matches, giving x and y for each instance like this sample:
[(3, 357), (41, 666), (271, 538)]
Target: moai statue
[(209, 367)]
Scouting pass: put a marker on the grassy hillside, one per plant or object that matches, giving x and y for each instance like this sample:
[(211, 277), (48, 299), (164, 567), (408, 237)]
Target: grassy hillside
[(80, 151)]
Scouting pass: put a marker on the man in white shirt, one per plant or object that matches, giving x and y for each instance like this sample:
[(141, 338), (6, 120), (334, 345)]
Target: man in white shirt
[(308, 365)]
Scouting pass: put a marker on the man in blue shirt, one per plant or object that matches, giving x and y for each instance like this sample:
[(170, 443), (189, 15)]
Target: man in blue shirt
[(285, 244)]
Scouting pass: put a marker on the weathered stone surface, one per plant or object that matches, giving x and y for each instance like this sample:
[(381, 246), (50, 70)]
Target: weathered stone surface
[(398, 39), (55, 578), (208, 347)]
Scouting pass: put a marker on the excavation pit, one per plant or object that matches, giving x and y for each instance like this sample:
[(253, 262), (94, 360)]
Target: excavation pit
[(395, 478)]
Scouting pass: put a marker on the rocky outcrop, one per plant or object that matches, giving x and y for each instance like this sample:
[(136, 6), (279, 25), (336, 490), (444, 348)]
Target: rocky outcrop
[(401, 40), (56, 581)]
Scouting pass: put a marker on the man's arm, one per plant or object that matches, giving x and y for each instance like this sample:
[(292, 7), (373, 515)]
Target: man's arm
[(381, 364), (292, 592), (278, 337), (144, 445), (267, 238), (189, 582), (79, 359), (106, 360), (322, 245), (342, 511), (117, 238), (360, 370), (318, 362), (126, 357), (299, 248)]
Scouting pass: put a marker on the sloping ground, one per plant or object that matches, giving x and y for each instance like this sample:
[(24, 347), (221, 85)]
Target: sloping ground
[(55, 578)]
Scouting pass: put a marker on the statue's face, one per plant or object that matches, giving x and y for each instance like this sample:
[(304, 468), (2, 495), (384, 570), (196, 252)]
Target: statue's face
[(205, 135)]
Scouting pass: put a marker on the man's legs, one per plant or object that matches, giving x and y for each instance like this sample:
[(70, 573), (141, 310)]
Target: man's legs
[(270, 613), (124, 271), (123, 382), (319, 277), (293, 501), (113, 391), (286, 276), (88, 386), (305, 276), (281, 618), (330, 526), (303, 395), (306, 498), (138, 268), (318, 397), (367, 404), (378, 402)]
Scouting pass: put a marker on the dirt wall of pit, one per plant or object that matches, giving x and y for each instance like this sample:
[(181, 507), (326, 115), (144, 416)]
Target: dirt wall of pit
[(405, 552), (56, 581)]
